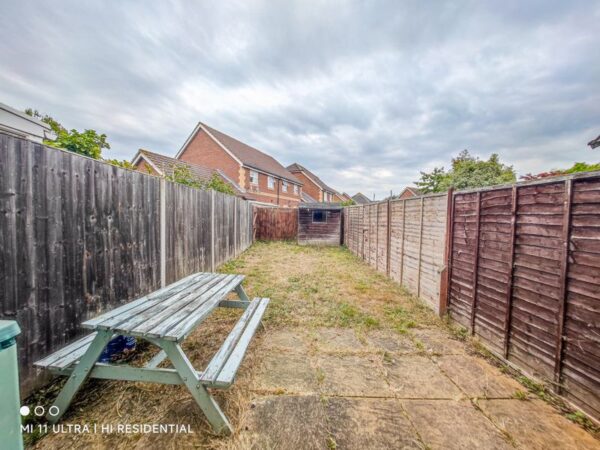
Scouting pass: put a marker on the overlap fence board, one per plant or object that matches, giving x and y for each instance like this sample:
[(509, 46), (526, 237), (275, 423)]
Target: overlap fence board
[(525, 277), (275, 224), (404, 239), (79, 236)]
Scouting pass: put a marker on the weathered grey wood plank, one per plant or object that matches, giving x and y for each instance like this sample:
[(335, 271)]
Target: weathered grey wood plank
[(220, 358), (229, 370)]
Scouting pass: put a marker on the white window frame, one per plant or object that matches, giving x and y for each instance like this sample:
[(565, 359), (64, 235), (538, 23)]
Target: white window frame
[(270, 182), (296, 189), (254, 176), (284, 185)]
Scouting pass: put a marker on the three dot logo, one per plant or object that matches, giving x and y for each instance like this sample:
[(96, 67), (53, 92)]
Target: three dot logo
[(39, 410)]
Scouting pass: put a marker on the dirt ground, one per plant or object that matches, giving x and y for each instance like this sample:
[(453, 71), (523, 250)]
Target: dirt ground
[(347, 360)]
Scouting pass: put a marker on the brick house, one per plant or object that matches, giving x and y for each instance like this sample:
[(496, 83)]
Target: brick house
[(409, 192), (261, 177), (161, 165), (313, 185)]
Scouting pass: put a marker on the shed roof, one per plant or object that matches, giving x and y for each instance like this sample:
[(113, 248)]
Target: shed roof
[(321, 205)]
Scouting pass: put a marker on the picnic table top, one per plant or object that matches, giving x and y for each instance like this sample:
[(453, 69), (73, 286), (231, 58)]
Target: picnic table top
[(172, 312)]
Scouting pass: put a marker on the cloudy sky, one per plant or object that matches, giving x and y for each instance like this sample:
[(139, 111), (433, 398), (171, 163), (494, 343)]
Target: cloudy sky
[(366, 94)]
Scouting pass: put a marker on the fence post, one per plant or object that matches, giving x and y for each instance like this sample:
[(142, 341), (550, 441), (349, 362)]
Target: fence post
[(476, 261), (235, 227), (511, 268), (377, 237), (445, 275), (402, 241), (163, 231), (212, 230), (563, 282), (389, 237), (420, 247)]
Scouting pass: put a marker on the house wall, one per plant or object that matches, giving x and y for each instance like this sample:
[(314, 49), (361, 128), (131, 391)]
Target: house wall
[(309, 187), (144, 167), (406, 194), (264, 194), (204, 151), (328, 233)]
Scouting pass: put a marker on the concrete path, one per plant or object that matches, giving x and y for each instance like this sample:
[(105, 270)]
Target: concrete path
[(333, 388)]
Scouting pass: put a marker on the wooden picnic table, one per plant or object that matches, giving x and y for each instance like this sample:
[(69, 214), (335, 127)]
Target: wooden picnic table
[(164, 318)]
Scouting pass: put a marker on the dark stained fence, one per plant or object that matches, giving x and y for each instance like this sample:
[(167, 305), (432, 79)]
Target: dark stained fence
[(524, 275), (405, 239), (275, 224), (78, 237)]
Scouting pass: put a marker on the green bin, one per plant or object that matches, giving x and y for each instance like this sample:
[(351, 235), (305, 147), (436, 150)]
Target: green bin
[(10, 419)]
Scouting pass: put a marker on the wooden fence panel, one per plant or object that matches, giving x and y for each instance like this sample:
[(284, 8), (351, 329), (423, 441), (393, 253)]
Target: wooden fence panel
[(524, 276), (404, 239), (79, 236), (188, 231), (275, 224)]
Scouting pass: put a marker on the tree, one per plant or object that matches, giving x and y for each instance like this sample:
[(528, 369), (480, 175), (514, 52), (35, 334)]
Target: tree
[(124, 164), (183, 175), (577, 167), (349, 202), (88, 142), (467, 172)]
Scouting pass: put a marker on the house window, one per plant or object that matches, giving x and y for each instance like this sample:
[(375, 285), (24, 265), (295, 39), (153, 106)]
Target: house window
[(325, 197), (296, 189), (271, 182), (253, 177), (319, 216), (284, 185)]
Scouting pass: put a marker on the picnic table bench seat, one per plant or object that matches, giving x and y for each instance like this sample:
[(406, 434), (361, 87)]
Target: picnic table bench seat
[(164, 318)]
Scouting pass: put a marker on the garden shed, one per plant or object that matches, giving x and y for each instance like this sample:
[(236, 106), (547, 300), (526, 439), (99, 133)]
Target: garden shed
[(320, 224)]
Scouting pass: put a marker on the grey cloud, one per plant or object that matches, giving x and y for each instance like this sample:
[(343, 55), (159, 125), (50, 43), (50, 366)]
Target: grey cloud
[(366, 94)]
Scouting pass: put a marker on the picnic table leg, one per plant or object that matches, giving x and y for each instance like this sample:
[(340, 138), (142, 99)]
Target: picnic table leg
[(80, 373), (241, 293), (190, 377)]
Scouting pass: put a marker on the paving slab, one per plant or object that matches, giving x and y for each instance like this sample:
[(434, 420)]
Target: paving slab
[(285, 422), (288, 372), (334, 340), (534, 424), (291, 339), (417, 377), (439, 341), (360, 423), (352, 375), (447, 424), (390, 342), (476, 377)]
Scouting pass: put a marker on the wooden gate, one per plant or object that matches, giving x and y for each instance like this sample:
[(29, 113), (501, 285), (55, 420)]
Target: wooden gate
[(275, 224)]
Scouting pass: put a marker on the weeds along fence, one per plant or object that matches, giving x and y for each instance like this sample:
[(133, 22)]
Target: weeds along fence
[(78, 237), (404, 239), (275, 224), (524, 275)]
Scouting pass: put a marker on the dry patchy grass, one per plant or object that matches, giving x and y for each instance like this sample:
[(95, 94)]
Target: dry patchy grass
[(309, 287)]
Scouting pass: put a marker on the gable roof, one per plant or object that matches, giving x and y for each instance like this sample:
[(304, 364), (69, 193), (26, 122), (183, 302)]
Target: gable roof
[(360, 198), (164, 165), (413, 190), (242, 153), (595, 142), (307, 198), (315, 179)]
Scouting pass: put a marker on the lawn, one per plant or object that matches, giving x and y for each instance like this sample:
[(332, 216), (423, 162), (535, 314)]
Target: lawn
[(346, 359)]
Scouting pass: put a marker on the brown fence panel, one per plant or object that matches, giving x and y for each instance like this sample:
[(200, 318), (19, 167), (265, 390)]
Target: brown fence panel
[(404, 239), (275, 224), (525, 276)]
